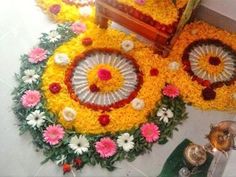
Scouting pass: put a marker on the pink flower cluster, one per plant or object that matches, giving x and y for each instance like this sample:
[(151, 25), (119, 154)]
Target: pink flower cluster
[(53, 134), (78, 27), (37, 55), (170, 91), (106, 147), (30, 98), (150, 132)]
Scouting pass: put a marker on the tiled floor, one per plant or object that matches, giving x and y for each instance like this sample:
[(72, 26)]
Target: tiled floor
[(21, 23)]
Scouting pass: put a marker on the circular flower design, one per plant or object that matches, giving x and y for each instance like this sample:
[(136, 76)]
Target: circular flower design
[(150, 132), (36, 119), (30, 98), (138, 104), (210, 60), (37, 55), (61, 59), (69, 114), (122, 75), (127, 45)]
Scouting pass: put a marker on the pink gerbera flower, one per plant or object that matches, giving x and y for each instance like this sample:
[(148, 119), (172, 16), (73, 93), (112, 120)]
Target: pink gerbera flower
[(170, 91), (30, 98), (150, 132), (53, 134), (104, 74), (106, 147), (37, 54), (78, 27)]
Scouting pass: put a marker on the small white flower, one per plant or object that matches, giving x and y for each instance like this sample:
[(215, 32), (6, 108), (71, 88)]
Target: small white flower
[(174, 66), (79, 145), (36, 118), (126, 141), (69, 114), (85, 11), (61, 59), (54, 36), (30, 76), (127, 45), (165, 114), (137, 104)]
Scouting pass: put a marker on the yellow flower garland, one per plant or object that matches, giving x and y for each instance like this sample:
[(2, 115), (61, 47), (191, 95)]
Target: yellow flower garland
[(67, 13), (121, 119), (191, 90)]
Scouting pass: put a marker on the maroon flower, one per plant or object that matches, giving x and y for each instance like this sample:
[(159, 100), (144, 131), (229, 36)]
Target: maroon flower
[(55, 9), (154, 72), (93, 88), (55, 87), (78, 163), (214, 61), (87, 41), (208, 94), (66, 168), (104, 119)]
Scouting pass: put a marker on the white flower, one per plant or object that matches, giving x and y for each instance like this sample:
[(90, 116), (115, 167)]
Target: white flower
[(126, 141), (174, 66), (85, 11), (30, 76), (53, 36), (36, 118), (165, 114), (79, 145), (127, 45), (61, 59), (137, 104), (69, 114)]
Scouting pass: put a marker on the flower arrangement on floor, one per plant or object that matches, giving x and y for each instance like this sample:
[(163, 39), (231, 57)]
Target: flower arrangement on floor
[(90, 96), (205, 67), (69, 10)]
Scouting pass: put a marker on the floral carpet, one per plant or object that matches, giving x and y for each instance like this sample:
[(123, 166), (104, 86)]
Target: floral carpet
[(94, 96)]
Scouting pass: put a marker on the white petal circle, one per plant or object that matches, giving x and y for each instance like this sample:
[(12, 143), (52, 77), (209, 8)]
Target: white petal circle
[(174, 66), (217, 50), (137, 104), (125, 66), (69, 114), (127, 45)]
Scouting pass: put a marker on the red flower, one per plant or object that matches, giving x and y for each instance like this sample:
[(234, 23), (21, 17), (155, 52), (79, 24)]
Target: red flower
[(206, 83), (55, 87), (93, 88), (78, 163), (154, 72), (66, 168), (170, 91), (55, 9), (214, 61), (208, 94), (87, 41), (104, 119)]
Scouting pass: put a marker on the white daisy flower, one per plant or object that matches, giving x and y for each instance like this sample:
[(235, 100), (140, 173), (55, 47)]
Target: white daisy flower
[(36, 118), (165, 114), (137, 104), (127, 45), (54, 36), (30, 76), (174, 66), (126, 141), (69, 114), (79, 145), (61, 59), (85, 11)]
